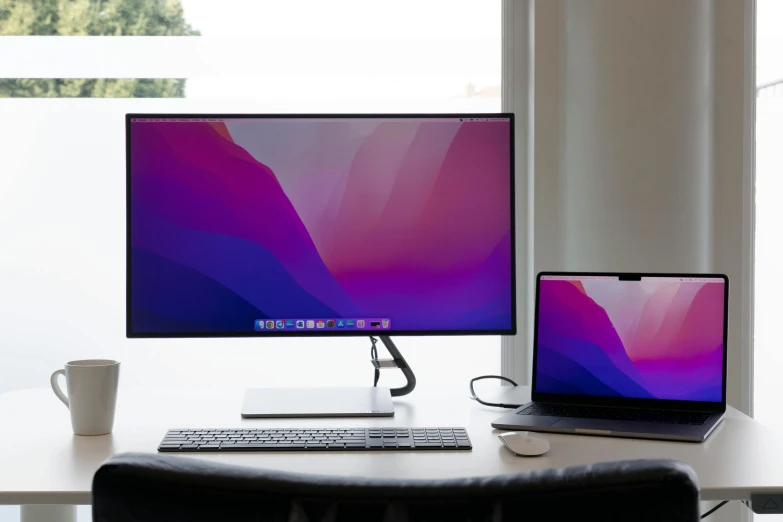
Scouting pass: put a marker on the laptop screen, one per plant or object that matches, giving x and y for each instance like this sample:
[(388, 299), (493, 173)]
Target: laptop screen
[(649, 338)]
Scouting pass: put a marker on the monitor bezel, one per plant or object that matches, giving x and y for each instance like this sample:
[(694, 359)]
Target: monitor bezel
[(668, 404), (297, 333)]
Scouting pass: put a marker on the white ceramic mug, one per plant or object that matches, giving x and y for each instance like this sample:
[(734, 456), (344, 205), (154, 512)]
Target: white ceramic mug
[(92, 394)]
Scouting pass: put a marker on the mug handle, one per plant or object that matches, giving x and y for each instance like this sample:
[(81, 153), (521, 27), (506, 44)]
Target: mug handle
[(56, 387)]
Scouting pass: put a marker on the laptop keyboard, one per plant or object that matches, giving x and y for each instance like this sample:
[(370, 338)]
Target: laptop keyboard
[(694, 418)]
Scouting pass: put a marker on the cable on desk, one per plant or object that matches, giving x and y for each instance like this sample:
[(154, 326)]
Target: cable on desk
[(716, 508), (494, 405)]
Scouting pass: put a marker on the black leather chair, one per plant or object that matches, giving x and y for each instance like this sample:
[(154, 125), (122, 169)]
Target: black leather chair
[(157, 488)]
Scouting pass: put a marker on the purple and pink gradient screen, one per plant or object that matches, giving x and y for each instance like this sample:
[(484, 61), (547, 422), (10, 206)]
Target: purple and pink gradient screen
[(237, 220), (658, 338)]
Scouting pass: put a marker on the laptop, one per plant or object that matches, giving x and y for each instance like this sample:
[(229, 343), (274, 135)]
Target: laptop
[(627, 355)]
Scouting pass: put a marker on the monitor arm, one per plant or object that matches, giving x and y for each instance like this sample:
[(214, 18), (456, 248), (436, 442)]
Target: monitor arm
[(397, 361)]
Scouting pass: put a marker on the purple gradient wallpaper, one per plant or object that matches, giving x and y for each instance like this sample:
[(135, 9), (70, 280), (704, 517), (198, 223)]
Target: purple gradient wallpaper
[(658, 338), (237, 220)]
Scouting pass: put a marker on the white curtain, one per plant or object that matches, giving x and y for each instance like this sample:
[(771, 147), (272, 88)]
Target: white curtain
[(635, 121)]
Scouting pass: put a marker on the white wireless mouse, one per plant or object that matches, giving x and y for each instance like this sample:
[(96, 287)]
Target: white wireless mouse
[(524, 443)]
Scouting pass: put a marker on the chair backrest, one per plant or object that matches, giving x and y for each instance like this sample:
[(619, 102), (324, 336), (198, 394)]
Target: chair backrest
[(156, 488)]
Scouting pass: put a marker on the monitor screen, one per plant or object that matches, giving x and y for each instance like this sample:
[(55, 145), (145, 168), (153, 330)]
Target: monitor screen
[(320, 225), (654, 338)]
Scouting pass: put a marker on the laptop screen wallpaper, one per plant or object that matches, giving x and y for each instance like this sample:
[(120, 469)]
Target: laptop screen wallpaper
[(658, 338)]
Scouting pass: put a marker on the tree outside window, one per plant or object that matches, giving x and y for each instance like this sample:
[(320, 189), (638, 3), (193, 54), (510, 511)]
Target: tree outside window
[(93, 18)]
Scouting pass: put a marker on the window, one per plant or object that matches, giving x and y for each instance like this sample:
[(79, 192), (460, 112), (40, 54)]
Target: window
[(63, 96), (768, 351), (72, 69)]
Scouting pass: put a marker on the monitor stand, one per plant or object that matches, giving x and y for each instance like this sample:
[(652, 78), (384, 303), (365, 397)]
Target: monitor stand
[(332, 402)]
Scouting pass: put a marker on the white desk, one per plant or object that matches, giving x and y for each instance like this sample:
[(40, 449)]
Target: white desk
[(42, 462)]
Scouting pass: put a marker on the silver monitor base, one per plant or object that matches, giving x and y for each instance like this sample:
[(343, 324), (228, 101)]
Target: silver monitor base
[(317, 402)]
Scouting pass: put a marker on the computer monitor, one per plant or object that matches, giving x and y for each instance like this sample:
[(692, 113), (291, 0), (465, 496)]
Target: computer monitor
[(320, 225)]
